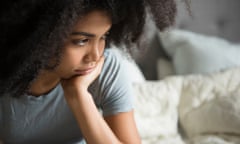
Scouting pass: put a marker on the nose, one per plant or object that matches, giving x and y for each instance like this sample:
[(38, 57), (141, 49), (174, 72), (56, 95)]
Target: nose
[(94, 53)]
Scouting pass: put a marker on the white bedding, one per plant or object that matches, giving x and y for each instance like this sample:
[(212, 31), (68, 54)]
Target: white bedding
[(207, 107), (156, 110)]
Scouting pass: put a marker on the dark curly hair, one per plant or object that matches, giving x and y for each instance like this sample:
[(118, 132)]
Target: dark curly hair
[(33, 31)]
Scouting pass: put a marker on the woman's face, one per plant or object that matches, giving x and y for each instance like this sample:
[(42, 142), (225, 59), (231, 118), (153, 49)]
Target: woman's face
[(85, 46)]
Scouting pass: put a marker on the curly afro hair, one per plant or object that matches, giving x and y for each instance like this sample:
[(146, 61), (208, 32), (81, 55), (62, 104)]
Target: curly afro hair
[(33, 31)]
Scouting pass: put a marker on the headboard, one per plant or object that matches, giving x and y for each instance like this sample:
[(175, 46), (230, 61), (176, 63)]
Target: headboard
[(212, 17)]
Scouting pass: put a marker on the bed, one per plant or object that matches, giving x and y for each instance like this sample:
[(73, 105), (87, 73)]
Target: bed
[(191, 94)]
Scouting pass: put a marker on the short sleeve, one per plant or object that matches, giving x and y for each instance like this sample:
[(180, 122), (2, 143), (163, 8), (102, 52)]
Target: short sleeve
[(115, 89)]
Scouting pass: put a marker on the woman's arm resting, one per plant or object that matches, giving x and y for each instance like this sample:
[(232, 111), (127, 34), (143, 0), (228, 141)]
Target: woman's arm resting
[(119, 128), (124, 127), (116, 129)]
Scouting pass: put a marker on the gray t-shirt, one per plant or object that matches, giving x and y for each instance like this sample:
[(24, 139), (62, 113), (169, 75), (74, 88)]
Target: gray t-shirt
[(48, 119)]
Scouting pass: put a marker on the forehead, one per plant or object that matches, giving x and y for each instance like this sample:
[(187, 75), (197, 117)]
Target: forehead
[(94, 19)]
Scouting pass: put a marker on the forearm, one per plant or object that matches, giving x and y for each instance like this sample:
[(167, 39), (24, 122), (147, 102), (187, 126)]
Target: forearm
[(93, 126), (90, 121)]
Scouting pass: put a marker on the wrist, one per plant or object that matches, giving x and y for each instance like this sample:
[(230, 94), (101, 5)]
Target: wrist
[(78, 100)]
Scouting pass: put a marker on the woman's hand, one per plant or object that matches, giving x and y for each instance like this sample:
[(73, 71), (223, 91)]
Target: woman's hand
[(80, 83)]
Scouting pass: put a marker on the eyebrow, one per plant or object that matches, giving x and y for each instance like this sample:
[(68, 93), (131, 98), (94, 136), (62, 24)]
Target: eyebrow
[(83, 34)]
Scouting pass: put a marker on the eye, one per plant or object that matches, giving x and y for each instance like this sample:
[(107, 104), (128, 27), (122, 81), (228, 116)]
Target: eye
[(81, 42)]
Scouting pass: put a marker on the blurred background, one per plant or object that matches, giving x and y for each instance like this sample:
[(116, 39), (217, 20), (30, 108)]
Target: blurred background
[(188, 87), (208, 33)]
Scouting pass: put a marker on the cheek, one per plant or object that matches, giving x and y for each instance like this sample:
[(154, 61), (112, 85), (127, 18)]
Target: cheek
[(67, 64), (72, 58)]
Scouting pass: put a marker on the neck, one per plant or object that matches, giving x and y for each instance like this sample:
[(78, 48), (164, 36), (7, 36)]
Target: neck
[(43, 84)]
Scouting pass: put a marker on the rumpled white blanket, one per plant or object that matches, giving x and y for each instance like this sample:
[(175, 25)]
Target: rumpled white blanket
[(206, 106)]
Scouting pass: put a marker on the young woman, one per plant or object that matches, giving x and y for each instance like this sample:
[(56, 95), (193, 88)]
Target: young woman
[(58, 81)]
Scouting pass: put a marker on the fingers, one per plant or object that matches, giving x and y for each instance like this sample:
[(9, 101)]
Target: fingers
[(87, 79), (84, 80)]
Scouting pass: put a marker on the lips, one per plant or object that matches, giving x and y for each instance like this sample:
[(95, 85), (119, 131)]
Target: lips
[(83, 71)]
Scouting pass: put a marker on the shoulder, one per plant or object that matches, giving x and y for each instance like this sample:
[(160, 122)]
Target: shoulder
[(112, 59), (119, 62), (110, 71), (115, 68), (112, 91)]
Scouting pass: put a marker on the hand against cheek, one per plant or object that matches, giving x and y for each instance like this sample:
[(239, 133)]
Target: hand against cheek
[(80, 83)]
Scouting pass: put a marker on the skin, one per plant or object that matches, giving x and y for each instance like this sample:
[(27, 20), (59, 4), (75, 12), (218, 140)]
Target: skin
[(80, 65)]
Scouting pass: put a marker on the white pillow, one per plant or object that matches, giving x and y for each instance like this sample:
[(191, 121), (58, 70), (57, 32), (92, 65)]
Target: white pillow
[(210, 104), (197, 53), (156, 110)]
